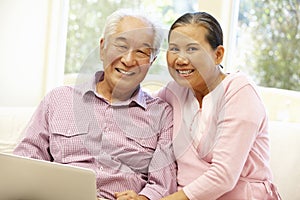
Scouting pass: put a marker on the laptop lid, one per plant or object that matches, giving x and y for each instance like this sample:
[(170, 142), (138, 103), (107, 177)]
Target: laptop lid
[(30, 179)]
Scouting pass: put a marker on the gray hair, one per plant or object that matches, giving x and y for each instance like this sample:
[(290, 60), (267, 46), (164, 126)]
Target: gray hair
[(113, 20)]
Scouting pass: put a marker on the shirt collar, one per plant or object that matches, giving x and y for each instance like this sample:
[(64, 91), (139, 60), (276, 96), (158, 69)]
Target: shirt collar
[(138, 97)]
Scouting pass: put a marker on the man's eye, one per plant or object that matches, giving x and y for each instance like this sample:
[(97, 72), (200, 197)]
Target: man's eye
[(121, 47), (143, 52)]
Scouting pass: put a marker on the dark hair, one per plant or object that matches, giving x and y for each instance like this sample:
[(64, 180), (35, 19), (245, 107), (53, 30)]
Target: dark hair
[(214, 35)]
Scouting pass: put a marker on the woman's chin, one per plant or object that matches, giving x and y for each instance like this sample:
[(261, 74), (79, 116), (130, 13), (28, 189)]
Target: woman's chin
[(183, 82)]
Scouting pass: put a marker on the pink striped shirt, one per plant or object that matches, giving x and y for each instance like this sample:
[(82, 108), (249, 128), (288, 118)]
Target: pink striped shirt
[(127, 144)]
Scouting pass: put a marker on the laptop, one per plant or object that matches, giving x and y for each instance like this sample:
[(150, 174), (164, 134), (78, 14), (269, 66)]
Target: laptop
[(30, 179)]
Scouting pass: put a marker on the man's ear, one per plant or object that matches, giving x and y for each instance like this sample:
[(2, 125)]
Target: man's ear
[(219, 52), (101, 48)]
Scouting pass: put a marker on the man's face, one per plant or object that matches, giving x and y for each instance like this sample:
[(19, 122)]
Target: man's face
[(126, 55)]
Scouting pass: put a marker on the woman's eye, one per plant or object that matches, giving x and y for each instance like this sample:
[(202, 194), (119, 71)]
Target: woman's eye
[(173, 49), (190, 49)]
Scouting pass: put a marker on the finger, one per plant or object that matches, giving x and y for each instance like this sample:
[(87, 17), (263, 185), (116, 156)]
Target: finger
[(119, 194), (123, 197)]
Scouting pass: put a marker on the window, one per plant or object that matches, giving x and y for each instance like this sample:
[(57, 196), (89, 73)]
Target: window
[(267, 48), (268, 40)]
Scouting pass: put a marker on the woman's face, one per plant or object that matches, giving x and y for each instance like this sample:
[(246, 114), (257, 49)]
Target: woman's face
[(191, 60)]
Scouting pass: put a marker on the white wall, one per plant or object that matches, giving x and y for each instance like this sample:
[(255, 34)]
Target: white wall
[(29, 62), (22, 51)]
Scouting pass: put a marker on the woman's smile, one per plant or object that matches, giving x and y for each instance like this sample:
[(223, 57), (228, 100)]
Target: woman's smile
[(185, 72)]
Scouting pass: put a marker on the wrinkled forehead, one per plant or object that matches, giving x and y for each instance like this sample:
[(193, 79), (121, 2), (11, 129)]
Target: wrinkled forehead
[(136, 37), (134, 31)]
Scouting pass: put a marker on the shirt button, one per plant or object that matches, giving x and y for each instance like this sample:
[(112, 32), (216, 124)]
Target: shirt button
[(101, 168)]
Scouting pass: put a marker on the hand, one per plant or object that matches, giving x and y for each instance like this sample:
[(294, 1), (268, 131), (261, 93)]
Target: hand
[(129, 195)]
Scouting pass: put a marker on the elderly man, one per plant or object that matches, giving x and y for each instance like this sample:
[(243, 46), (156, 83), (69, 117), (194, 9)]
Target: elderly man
[(110, 125)]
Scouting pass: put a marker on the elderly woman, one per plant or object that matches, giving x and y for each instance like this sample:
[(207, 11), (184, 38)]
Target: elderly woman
[(220, 136)]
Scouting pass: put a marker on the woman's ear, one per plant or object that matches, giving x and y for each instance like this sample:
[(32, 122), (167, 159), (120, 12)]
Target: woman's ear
[(101, 48), (219, 52)]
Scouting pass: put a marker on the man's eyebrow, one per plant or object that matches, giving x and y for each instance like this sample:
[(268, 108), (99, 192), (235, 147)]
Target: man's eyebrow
[(147, 45), (123, 39)]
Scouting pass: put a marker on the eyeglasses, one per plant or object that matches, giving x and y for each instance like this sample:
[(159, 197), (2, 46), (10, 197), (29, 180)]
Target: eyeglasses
[(140, 54)]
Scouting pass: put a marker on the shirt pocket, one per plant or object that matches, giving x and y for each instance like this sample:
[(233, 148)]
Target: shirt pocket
[(144, 143), (68, 142), (138, 157)]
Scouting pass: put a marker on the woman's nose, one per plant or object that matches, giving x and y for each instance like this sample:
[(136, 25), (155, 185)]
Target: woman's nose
[(182, 60), (129, 59)]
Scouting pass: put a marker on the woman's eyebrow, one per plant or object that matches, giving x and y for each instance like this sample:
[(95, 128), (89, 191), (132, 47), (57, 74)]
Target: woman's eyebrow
[(193, 43), (189, 44)]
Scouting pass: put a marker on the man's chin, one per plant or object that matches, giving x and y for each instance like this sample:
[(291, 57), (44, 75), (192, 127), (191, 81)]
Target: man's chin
[(124, 87)]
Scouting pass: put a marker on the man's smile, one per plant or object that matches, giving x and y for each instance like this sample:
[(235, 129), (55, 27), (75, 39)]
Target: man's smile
[(127, 73)]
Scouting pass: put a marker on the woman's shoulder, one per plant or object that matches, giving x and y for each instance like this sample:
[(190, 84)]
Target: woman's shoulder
[(173, 89), (238, 76), (238, 80), (172, 92)]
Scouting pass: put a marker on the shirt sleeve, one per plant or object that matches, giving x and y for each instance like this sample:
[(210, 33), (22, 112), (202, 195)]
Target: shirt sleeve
[(35, 141), (237, 126), (162, 168)]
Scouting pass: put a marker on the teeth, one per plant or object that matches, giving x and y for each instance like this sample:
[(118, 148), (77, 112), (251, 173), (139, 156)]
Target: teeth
[(125, 72), (185, 72)]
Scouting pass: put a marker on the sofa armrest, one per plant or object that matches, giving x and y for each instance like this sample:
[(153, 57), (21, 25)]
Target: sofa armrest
[(13, 121)]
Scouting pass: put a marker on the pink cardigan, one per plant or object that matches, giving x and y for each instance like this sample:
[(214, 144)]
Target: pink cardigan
[(222, 150)]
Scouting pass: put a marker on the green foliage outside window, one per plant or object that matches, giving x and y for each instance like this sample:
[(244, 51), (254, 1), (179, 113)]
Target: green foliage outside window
[(273, 47)]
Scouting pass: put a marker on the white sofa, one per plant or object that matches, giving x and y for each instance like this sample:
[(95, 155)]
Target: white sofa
[(285, 159), (284, 136), (13, 121)]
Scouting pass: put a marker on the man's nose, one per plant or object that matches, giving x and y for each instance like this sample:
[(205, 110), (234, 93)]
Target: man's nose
[(129, 59)]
